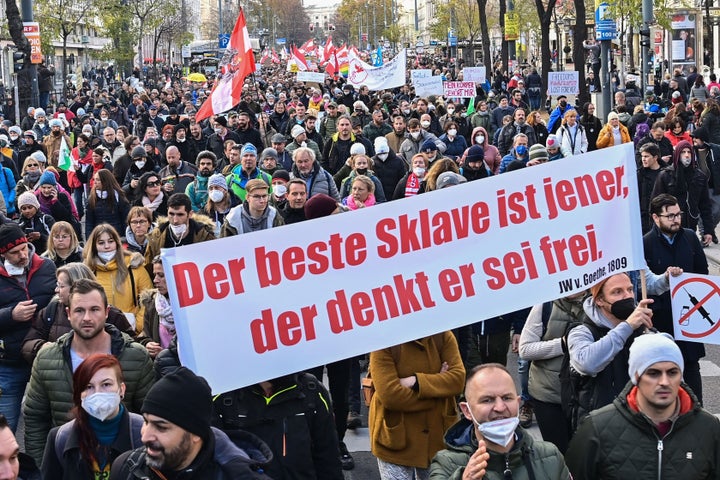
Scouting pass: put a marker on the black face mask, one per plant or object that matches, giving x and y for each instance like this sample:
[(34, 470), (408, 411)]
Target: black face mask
[(622, 309), (361, 171)]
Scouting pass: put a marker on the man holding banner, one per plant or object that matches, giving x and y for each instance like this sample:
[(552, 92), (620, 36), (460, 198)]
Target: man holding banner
[(669, 244)]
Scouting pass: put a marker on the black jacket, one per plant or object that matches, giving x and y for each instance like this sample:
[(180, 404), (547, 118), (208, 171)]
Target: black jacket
[(296, 422), (221, 458), (690, 187), (685, 252), (389, 171)]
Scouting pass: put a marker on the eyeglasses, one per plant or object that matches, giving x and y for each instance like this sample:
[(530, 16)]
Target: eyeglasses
[(31, 165), (258, 197), (61, 237), (673, 216), (153, 184), (138, 222)]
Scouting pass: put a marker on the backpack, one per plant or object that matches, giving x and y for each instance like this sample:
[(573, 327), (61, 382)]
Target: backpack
[(63, 433), (573, 382)]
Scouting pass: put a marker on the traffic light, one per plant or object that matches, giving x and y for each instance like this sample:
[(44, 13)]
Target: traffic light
[(18, 61)]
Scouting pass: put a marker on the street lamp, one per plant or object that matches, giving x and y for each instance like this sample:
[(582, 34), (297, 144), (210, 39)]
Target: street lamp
[(569, 22)]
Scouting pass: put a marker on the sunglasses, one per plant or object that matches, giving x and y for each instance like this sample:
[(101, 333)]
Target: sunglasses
[(153, 184)]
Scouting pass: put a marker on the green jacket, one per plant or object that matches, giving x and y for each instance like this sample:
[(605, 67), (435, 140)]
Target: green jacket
[(543, 458), (619, 442), (49, 396)]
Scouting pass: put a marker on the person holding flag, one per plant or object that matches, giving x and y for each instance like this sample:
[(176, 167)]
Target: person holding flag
[(237, 63)]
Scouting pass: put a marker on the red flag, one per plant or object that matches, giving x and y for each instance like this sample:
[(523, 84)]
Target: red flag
[(237, 62), (299, 59), (265, 56), (331, 67), (275, 58), (307, 47), (328, 50)]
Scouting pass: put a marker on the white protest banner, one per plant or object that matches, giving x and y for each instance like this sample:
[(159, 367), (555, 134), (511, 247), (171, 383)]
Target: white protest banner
[(419, 73), (474, 74), (459, 89), (565, 83), (391, 74), (310, 77), (425, 86), (257, 306), (696, 307)]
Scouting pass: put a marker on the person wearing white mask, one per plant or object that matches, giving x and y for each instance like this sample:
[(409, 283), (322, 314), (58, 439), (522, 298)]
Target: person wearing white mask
[(416, 137), (388, 167), (488, 441), (54, 390), (456, 144), (102, 428)]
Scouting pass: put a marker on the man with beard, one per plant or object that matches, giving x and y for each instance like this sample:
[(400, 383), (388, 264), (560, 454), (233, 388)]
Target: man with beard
[(27, 284), (509, 132), (337, 150), (179, 442), (247, 133), (188, 150), (669, 244), (52, 142), (178, 174), (49, 396), (198, 189), (397, 136)]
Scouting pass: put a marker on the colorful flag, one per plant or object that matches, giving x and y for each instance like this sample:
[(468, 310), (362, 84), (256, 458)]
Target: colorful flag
[(471, 107), (64, 160), (237, 62), (307, 47)]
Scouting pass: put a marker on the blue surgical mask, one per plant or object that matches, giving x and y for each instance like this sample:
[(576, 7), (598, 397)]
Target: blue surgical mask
[(521, 150)]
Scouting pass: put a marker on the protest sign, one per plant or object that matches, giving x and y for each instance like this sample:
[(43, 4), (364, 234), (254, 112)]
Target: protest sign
[(425, 86), (390, 74), (696, 307), (310, 77), (459, 89), (421, 73), (257, 306), (565, 83), (474, 74)]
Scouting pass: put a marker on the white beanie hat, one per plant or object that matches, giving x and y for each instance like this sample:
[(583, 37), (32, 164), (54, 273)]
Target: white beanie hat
[(357, 149), (652, 348)]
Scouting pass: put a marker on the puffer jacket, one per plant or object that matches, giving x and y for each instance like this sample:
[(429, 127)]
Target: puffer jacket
[(126, 298), (240, 456), (406, 425), (318, 181), (543, 458), (40, 288), (49, 396), (620, 442)]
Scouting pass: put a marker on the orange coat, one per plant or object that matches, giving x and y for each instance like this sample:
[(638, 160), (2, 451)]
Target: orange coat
[(606, 139)]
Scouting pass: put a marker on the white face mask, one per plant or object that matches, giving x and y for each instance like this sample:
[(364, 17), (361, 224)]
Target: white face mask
[(279, 190), (218, 131), (419, 171), (415, 135), (406, 111), (499, 432), (479, 139), (13, 269), (101, 404), (216, 195), (102, 194), (450, 111), (181, 140), (382, 156), (178, 230), (13, 137), (425, 124), (685, 161), (106, 256), (140, 164), (452, 132)]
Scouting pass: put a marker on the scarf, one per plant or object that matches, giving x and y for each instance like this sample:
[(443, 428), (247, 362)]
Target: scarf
[(350, 202), (167, 322), (31, 178), (412, 186), (152, 205)]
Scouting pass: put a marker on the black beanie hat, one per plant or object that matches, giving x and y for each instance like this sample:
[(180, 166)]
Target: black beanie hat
[(319, 205), (11, 235), (184, 399)]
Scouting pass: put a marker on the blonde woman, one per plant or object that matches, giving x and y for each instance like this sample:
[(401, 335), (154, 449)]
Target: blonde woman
[(63, 246), (120, 272)]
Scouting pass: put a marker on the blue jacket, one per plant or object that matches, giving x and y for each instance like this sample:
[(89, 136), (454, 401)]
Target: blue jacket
[(7, 189)]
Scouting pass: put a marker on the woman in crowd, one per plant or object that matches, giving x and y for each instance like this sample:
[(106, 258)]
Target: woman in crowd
[(591, 124), (33, 222), (220, 201), (63, 246), (361, 193), (55, 201), (85, 448), (440, 166), (613, 133), (535, 120), (573, 140), (414, 403), (412, 183), (360, 164), (106, 203), (710, 119), (149, 194), (137, 232), (30, 174), (52, 322), (120, 272), (79, 177), (456, 143), (676, 132)]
